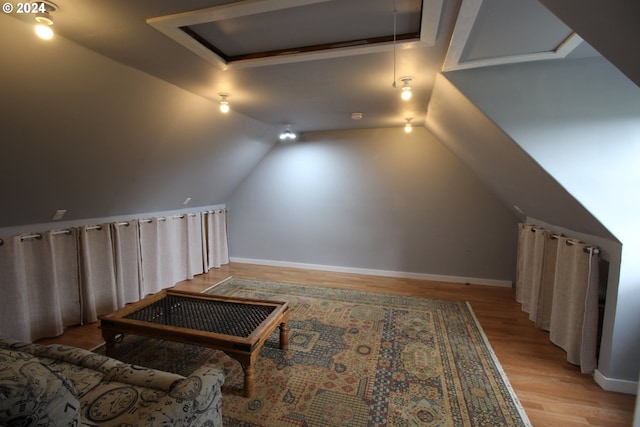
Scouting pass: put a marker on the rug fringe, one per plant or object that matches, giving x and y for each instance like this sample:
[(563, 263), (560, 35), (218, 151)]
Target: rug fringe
[(521, 411), (216, 284)]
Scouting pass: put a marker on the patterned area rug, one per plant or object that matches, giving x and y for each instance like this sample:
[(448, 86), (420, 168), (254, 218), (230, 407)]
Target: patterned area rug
[(354, 359)]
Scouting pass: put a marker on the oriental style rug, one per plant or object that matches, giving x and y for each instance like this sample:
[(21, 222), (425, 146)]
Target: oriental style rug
[(354, 359)]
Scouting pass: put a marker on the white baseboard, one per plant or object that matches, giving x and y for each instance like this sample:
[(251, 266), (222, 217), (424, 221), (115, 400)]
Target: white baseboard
[(612, 384), (373, 272)]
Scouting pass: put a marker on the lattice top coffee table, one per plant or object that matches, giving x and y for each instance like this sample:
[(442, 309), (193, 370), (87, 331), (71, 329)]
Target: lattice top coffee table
[(237, 326)]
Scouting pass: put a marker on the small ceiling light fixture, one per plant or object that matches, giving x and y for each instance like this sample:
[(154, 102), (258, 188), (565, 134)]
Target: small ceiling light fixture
[(406, 88), (287, 134), (224, 102), (43, 18), (408, 127)]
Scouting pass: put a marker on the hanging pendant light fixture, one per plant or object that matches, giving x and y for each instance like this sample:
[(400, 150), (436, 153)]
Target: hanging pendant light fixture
[(406, 88), (44, 20), (224, 102), (408, 127)]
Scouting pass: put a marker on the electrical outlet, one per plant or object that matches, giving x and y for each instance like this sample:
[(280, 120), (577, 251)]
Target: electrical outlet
[(59, 214)]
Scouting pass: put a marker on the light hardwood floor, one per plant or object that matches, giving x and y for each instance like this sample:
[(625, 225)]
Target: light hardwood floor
[(552, 391)]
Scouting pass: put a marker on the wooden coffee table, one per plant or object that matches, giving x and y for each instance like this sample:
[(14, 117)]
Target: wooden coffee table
[(237, 326)]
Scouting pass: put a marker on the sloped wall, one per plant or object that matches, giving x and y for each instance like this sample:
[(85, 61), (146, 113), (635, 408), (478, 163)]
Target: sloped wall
[(84, 133), (374, 199), (580, 120), (611, 27)]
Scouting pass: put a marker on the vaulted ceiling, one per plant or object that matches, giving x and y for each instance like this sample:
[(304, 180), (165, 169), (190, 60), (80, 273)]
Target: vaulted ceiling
[(88, 94), (313, 63)]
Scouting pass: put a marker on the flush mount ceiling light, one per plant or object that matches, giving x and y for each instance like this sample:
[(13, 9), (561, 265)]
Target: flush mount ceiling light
[(44, 20), (406, 88), (408, 127), (224, 102), (287, 134)]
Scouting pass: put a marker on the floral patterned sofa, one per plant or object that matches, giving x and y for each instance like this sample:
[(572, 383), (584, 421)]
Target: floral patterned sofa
[(58, 385)]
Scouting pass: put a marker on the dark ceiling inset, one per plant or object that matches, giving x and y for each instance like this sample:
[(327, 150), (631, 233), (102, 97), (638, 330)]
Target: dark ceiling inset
[(260, 29), (293, 30)]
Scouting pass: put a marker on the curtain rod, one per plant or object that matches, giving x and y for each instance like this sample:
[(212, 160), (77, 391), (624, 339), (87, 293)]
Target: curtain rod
[(587, 249), (39, 235), (99, 227), (570, 242)]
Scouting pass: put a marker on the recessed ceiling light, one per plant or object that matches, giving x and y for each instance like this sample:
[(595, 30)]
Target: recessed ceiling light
[(287, 134)]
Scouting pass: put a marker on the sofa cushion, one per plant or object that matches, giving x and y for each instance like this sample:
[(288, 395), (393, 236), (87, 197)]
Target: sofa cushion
[(33, 395)]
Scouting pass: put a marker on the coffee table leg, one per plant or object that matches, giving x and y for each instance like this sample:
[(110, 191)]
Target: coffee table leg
[(249, 380), (284, 336), (109, 339)]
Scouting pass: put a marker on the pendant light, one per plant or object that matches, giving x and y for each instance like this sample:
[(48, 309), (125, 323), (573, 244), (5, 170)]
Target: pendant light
[(44, 20), (406, 88), (408, 127), (224, 102)]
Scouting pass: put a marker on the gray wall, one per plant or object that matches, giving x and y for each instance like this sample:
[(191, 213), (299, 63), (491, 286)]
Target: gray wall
[(372, 199), (580, 120), (84, 133)]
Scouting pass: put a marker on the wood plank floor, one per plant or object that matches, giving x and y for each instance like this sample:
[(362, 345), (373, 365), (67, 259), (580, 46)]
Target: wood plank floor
[(552, 391)]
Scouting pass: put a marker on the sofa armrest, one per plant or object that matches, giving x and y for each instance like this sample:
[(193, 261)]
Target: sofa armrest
[(199, 383), (202, 390), (189, 402)]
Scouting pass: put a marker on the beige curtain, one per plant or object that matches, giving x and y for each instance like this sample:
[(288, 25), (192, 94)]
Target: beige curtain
[(39, 285), (194, 239), (60, 278), (574, 315), (64, 252), (100, 295), (530, 261), (127, 261), (523, 265), (216, 237), (185, 246), (557, 284), (547, 281), (15, 319), (171, 251), (154, 254)]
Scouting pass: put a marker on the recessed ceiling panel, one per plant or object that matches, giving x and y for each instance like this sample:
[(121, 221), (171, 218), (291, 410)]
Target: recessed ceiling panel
[(281, 31), (311, 27), (530, 29), (495, 32)]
